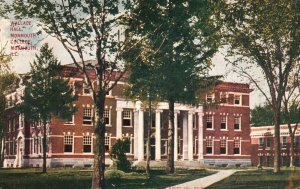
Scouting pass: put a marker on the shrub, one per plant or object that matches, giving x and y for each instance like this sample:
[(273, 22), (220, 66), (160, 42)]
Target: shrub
[(118, 155)]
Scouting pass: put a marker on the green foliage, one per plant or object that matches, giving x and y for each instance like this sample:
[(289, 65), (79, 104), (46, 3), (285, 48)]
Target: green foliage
[(118, 153), (114, 174), (175, 44), (263, 115), (47, 93)]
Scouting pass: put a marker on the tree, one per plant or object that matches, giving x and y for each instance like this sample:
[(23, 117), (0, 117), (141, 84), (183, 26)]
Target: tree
[(291, 109), (86, 28), (178, 40), (262, 115), (7, 79), (264, 36), (47, 94)]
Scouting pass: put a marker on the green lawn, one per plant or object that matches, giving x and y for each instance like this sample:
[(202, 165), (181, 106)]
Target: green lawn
[(264, 179), (73, 178)]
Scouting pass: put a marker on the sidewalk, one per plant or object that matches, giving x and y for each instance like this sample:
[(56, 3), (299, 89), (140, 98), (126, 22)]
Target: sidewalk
[(205, 181)]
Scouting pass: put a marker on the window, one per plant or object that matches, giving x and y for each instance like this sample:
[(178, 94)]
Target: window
[(194, 121), (108, 93), (87, 116), (223, 97), (268, 142), (9, 125), (126, 118), (261, 142), (70, 119), (237, 99), (223, 147), (164, 148), (237, 121), (209, 123), (22, 120), (209, 98), (284, 141), (153, 120), (236, 149), (68, 143), (13, 125), (86, 89), (223, 122), (107, 116), (87, 144), (208, 146), (107, 143), (128, 150), (195, 142)]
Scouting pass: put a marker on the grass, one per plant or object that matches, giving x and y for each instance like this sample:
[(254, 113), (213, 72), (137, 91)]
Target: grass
[(264, 179), (68, 178)]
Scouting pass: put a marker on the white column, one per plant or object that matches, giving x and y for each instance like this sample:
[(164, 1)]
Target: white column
[(200, 135), (157, 135), (141, 135), (190, 136), (119, 123), (185, 136), (176, 135), (136, 128)]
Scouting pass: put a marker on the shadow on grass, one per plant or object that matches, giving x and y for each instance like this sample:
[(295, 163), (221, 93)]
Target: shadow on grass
[(76, 179)]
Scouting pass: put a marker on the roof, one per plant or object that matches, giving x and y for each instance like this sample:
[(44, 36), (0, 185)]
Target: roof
[(234, 87)]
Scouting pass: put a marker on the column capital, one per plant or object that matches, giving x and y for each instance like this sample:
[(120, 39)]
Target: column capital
[(191, 112), (176, 111), (119, 109), (158, 110), (200, 113)]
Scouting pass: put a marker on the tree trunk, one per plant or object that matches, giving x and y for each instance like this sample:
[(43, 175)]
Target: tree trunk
[(277, 140), (45, 147), (170, 155), (148, 155), (1, 150), (98, 181), (292, 149)]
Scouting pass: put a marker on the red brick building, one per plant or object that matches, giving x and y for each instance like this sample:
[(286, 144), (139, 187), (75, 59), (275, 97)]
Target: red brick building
[(262, 139), (216, 134)]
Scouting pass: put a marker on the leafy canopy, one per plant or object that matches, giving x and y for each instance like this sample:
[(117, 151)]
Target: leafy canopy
[(177, 41), (47, 92)]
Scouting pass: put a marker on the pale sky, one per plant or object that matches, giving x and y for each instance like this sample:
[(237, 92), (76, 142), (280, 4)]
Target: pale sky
[(21, 62)]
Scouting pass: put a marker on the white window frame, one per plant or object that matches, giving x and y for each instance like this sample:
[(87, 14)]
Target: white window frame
[(237, 144), (195, 147), (222, 121), (107, 142), (87, 140), (67, 141), (109, 92), (223, 144), (85, 114), (212, 122), (239, 120), (209, 143), (107, 114), (194, 121), (235, 98), (71, 122), (210, 96), (124, 116)]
